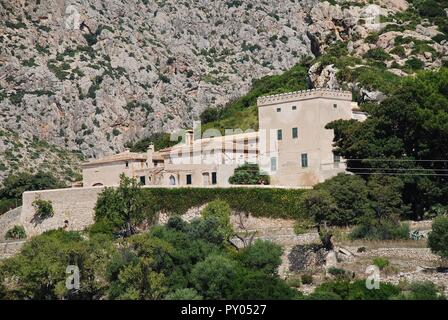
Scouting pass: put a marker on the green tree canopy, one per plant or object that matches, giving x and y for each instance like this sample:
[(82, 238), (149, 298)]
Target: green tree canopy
[(39, 271), (16, 184), (403, 136), (438, 237), (219, 210), (249, 173), (264, 256), (125, 207)]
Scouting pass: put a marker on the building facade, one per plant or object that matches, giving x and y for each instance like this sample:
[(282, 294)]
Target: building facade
[(291, 145)]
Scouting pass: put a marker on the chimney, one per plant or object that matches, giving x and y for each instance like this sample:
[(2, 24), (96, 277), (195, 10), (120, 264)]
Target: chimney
[(189, 137), (149, 156)]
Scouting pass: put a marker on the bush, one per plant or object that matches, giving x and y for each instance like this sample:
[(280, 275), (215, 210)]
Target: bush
[(160, 140), (435, 211), (381, 262), (338, 272), (380, 230), (254, 285), (303, 226), (39, 270), (209, 230), (414, 64), (260, 202), (15, 233), (350, 199), (307, 279), (357, 290), (123, 208), (220, 210), (209, 115), (16, 184), (430, 8), (249, 173), (264, 256), (318, 205), (184, 294), (399, 51), (43, 209), (378, 54), (213, 277), (372, 38), (294, 281), (424, 290), (438, 237), (323, 295)]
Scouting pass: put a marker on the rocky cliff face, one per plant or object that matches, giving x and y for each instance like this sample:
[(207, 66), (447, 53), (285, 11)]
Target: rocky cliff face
[(90, 75)]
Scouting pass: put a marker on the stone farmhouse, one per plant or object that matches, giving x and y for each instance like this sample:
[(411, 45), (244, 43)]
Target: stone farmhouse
[(291, 145)]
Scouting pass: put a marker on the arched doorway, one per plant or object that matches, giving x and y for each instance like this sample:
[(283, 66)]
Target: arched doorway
[(172, 181)]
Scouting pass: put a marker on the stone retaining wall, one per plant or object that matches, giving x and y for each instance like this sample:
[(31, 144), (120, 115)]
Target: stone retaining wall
[(74, 205), (10, 248), (9, 220)]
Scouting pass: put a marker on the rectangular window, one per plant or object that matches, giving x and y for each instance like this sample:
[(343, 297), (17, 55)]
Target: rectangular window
[(273, 164), (189, 180), (295, 133), (336, 160), (304, 159), (214, 178), (127, 164), (294, 107), (335, 105), (279, 134), (279, 109), (143, 180)]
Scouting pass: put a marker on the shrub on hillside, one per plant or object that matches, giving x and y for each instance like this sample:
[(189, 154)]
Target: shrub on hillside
[(160, 140), (372, 229), (435, 211), (39, 270), (381, 262), (16, 184), (378, 54), (319, 205), (184, 294), (213, 277), (264, 256), (338, 272), (438, 237), (43, 209), (414, 64), (15, 233), (125, 207), (209, 115), (307, 279), (351, 198), (357, 290), (219, 210), (255, 285), (424, 290)]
